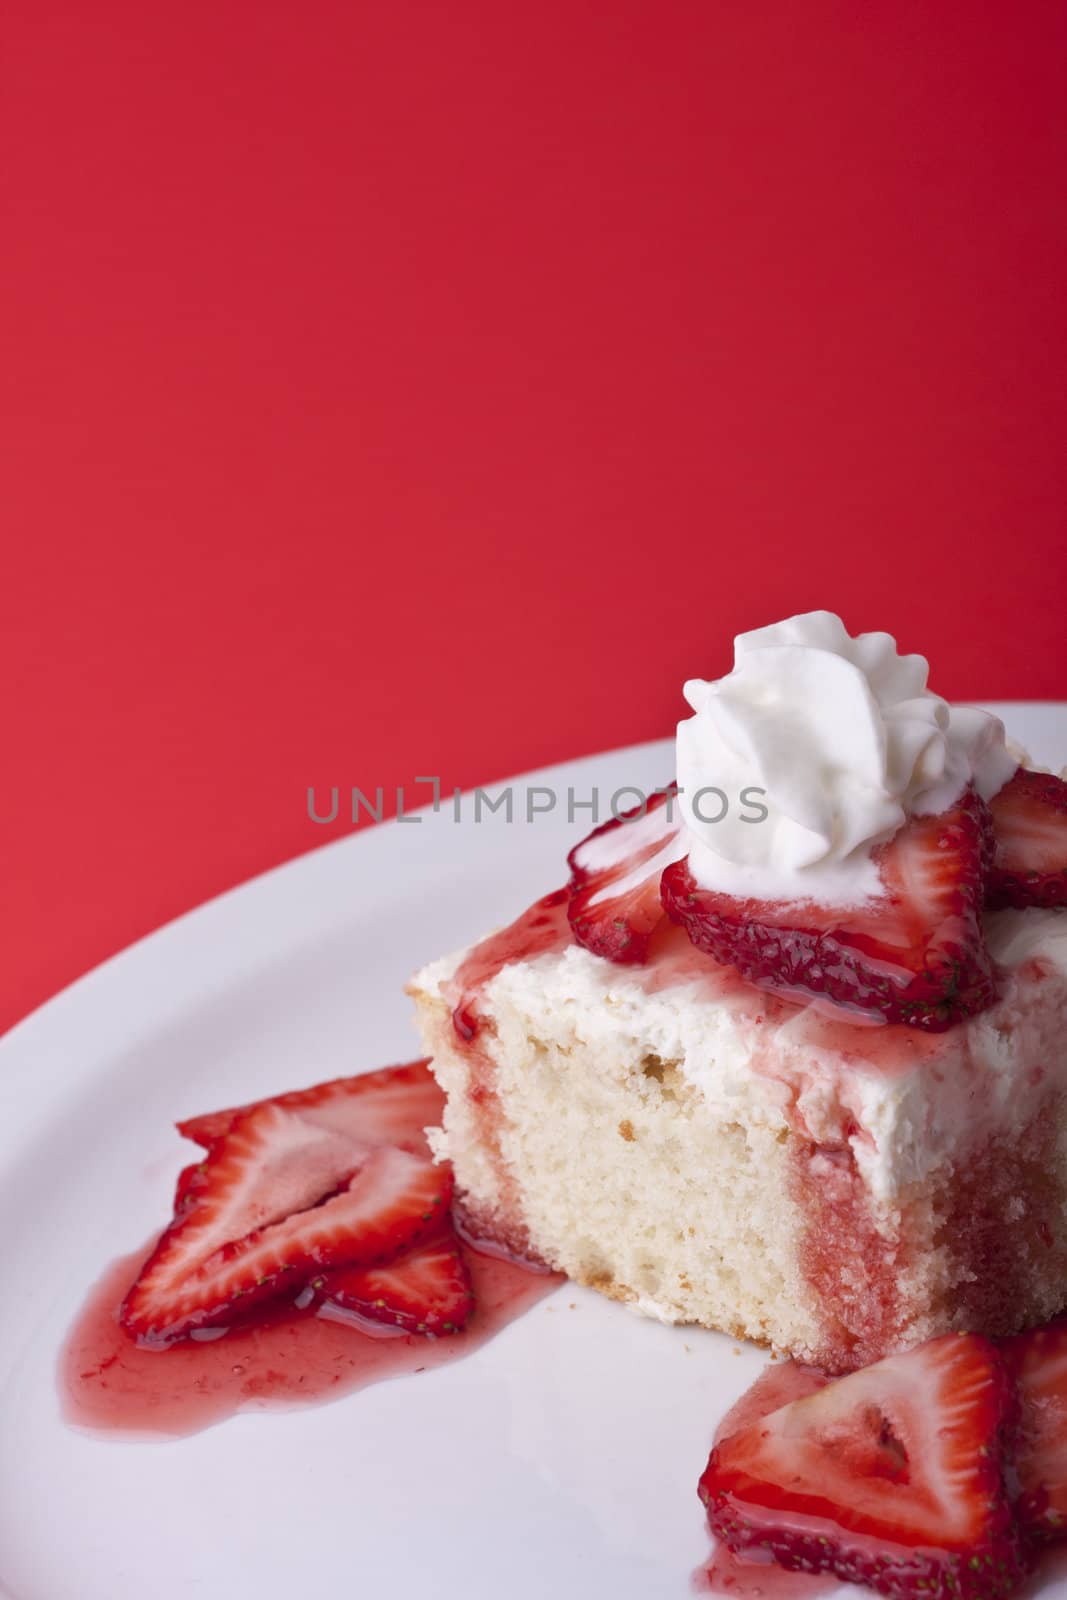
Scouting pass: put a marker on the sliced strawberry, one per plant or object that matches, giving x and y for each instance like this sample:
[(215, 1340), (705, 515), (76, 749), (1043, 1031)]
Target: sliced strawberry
[(391, 1106), (615, 904), (890, 1477), (915, 955), (278, 1200), (1038, 1361), (426, 1290), (1030, 829), (190, 1186)]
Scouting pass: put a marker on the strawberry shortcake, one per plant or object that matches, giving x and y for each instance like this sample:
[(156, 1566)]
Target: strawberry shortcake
[(790, 1066)]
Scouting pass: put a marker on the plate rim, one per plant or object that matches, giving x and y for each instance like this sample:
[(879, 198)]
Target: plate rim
[(78, 1032)]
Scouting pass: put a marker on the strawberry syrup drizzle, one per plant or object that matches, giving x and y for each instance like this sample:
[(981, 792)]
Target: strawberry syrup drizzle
[(111, 1384), (852, 1270), (855, 1270), (824, 1028), (540, 930)]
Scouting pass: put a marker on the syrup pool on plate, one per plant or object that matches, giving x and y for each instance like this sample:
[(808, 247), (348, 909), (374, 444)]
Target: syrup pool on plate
[(728, 1574), (109, 1383)]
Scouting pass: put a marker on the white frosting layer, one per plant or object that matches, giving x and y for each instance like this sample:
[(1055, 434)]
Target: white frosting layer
[(841, 739)]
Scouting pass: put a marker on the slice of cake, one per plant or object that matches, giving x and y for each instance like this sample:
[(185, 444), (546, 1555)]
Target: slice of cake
[(804, 1084)]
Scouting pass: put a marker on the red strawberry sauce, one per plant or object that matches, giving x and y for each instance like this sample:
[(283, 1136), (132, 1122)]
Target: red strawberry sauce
[(727, 1574), (544, 927), (110, 1383)]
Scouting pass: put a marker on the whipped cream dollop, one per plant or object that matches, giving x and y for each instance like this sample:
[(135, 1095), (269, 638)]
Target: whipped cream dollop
[(838, 740)]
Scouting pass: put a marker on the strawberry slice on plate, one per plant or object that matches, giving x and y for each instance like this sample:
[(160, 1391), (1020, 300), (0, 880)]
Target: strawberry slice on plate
[(891, 1477), (615, 873), (278, 1201), (1030, 830), (391, 1106), (1038, 1362), (426, 1290), (916, 954)]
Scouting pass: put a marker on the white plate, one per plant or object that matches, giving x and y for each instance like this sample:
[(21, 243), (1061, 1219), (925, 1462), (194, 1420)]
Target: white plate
[(560, 1459)]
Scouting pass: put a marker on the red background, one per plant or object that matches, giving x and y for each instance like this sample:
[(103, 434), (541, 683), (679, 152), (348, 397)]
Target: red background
[(407, 388)]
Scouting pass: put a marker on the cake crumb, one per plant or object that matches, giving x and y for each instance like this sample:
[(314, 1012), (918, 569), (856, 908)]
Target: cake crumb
[(626, 1128), (573, 1306), (736, 1351)]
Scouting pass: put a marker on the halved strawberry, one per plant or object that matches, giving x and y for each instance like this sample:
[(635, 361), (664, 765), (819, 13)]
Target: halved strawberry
[(391, 1106), (278, 1201), (426, 1290), (1038, 1361), (890, 1477), (615, 872), (1030, 829), (915, 955)]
